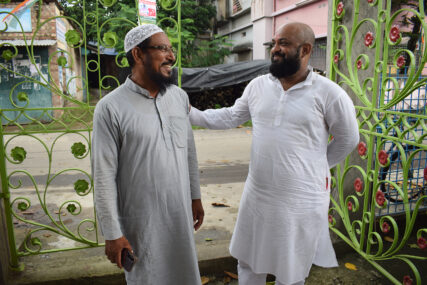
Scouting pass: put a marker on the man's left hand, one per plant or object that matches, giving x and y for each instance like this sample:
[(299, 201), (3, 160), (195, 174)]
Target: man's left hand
[(198, 213)]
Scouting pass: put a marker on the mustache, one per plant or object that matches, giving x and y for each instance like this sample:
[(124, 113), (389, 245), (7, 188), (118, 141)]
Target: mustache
[(169, 62), (277, 53)]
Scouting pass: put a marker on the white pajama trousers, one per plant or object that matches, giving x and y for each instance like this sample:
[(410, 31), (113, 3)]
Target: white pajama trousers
[(248, 277)]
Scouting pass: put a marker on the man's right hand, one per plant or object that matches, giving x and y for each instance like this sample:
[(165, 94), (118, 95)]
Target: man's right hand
[(113, 249)]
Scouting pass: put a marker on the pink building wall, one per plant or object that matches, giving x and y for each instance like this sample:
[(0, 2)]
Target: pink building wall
[(281, 4), (314, 14)]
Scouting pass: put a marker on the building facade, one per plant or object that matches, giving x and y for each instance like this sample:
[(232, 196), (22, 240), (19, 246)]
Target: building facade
[(38, 46), (234, 20), (251, 24), (268, 16)]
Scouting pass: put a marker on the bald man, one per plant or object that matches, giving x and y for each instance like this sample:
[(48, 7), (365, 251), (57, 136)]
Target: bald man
[(282, 225)]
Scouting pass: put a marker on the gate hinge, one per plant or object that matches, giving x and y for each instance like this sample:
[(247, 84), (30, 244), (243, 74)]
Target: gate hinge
[(4, 196)]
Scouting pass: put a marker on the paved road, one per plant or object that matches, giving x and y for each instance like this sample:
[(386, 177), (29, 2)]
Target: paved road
[(223, 162)]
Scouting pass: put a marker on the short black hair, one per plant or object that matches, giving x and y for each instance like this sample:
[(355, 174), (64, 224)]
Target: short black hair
[(129, 55)]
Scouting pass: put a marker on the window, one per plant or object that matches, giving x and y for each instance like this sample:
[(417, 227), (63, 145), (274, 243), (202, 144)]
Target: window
[(236, 6)]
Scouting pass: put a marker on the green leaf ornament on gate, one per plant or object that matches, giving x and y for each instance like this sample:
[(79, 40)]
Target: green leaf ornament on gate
[(78, 149), (18, 154), (22, 97), (72, 37), (110, 39), (62, 61), (81, 186), (7, 54)]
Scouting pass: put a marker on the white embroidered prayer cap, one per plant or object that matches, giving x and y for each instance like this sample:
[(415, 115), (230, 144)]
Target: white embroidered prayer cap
[(140, 33)]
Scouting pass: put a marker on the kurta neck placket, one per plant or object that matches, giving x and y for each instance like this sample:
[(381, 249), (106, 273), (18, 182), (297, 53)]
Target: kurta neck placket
[(280, 108), (284, 94), (165, 124), (162, 111)]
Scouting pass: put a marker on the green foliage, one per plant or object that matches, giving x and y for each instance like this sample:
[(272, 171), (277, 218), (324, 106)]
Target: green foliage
[(196, 21), (210, 52), (108, 3), (123, 12)]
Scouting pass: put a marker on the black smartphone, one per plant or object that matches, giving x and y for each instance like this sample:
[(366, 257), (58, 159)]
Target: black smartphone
[(128, 259)]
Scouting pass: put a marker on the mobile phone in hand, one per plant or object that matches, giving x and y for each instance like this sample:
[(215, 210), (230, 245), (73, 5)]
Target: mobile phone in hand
[(128, 259)]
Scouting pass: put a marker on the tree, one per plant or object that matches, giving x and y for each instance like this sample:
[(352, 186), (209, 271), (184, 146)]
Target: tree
[(196, 18)]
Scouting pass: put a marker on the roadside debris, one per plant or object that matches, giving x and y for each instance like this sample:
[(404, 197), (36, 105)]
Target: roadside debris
[(220, 205), (232, 275), (350, 266)]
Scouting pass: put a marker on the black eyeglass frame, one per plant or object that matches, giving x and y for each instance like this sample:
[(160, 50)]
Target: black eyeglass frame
[(162, 48)]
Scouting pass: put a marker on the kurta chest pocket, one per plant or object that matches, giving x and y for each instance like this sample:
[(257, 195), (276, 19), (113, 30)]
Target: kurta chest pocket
[(179, 131), (299, 110)]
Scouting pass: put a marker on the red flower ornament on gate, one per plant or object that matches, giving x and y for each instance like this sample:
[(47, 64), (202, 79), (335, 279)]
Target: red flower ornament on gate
[(350, 206), (370, 1), (369, 39), (359, 64), (385, 227), (380, 198), (422, 243), (358, 185), (361, 148), (383, 157), (407, 280), (336, 58), (400, 61), (340, 8), (425, 173), (394, 34)]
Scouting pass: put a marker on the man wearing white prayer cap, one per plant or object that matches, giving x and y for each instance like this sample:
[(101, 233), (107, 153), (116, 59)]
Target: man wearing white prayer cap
[(147, 192)]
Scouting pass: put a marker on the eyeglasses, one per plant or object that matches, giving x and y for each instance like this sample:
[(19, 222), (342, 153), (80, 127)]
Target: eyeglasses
[(163, 48)]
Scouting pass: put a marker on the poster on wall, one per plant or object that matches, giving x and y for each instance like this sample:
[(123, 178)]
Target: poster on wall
[(60, 33), (147, 11), (13, 26)]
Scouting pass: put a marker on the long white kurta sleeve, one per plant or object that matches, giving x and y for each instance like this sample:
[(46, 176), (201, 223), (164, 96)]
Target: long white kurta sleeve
[(341, 119), (224, 118)]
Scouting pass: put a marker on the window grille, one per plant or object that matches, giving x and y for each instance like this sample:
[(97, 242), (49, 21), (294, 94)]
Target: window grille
[(236, 6)]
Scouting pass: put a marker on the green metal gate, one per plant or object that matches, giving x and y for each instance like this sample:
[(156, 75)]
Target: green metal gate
[(45, 200), (386, 178)]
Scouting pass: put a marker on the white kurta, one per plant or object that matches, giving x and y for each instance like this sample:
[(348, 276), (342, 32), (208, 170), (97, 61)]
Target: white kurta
[(282, 225), (145, 176)]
